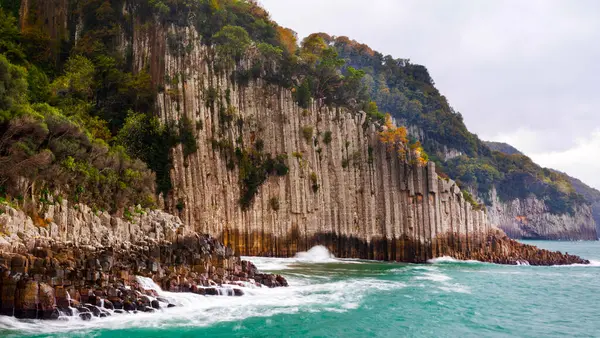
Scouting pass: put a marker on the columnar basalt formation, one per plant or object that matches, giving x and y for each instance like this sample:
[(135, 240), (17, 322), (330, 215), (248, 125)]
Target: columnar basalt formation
[(344, 188), (346, 191)]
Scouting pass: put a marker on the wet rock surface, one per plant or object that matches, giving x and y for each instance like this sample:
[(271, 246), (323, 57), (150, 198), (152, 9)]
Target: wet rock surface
[(55, 279)]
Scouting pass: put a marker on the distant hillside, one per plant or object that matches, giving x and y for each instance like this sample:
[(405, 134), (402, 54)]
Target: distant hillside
[(503, 148), (592, 195)]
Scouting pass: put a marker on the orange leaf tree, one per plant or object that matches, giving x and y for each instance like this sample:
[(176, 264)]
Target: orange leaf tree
[(394, 137), (396, 140)]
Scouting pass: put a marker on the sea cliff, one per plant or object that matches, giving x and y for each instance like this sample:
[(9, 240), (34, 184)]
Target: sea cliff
[(530, 218), (339, 185), (345, 190)]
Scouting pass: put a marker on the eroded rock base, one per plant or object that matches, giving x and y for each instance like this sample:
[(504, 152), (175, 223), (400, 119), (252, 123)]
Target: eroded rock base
[(492, 246)]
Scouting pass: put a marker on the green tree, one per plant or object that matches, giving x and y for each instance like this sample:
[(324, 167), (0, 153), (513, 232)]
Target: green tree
[(144, 137), (232, 42), (39, 86), (13, 85), (312, 48), (10, 37), (78, 79), (302, 94)]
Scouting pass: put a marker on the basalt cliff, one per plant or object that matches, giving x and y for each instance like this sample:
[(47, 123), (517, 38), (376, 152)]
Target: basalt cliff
[(252, 167), (185, 136), (255, 168), (344, 188)]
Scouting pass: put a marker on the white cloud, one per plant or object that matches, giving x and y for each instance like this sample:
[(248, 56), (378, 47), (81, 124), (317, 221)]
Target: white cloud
[(581, 161)]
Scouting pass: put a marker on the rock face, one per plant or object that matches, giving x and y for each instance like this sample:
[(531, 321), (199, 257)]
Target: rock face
[(530, 219), (82, 226), (591, 195), (344, 188), (345, 191), (348, 193)]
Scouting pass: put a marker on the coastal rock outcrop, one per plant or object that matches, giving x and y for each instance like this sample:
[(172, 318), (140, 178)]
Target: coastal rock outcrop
[(100, 263), (55, 279)]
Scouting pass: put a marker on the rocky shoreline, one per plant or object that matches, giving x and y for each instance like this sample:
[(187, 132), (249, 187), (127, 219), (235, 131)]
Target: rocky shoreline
[(498, 248), (54, 279), (86, 264)]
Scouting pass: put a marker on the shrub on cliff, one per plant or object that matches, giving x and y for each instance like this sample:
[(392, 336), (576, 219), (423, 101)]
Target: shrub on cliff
[(13, 86), (10, 44), (51, 152), (254, 169), (145, 138)]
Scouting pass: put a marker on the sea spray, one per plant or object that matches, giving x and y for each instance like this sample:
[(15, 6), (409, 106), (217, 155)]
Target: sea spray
[(305, 294), (316, 254)]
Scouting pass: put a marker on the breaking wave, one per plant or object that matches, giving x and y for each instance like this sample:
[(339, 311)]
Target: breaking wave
[(317, 254), (192, 310), (448, 259)]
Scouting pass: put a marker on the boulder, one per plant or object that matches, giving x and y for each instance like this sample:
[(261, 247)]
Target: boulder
[(27, 299), (47, 302), (85, 316)]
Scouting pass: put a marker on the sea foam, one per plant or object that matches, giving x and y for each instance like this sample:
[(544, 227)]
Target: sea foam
[(448, 259), (192, 310)]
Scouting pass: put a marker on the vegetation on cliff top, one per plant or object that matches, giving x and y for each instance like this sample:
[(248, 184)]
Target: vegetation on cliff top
[(503, 148), (46, 148), (90, 88)]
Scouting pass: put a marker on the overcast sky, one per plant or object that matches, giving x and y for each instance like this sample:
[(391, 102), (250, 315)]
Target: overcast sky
[(521, 72)]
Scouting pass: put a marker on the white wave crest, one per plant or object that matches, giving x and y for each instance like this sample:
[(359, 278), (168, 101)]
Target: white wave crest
[(439, 279), (448, 259), (434, 277), (455, 288), (194, 310), (317, 254), (593, 264)]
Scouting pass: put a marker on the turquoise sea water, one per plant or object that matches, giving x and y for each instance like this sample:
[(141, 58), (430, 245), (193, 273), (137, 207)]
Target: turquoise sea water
[(334, 298)]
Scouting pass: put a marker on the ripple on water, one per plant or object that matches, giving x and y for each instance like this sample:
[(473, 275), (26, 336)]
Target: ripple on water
[(333, 297), (306, 293)]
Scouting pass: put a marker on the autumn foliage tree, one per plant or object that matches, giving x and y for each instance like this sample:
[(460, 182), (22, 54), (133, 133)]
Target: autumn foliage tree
[(396, 139), (289, 39)]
